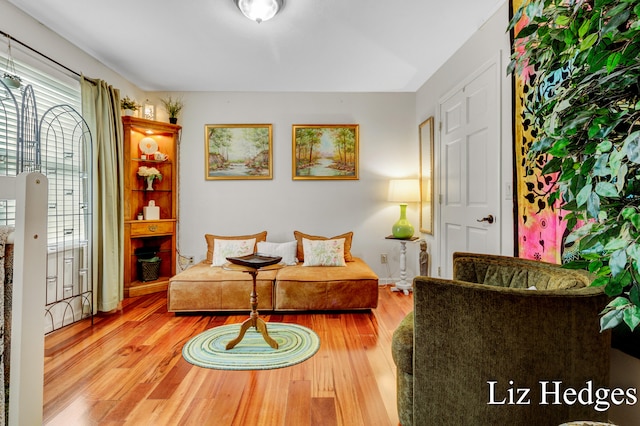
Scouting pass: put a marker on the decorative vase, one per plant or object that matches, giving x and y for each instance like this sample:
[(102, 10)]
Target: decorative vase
[(129, 112), (149, 183), (173, 120), (402, 228)]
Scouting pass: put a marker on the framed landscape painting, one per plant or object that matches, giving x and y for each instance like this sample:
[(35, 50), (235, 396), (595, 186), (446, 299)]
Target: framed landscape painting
[(238, 151), (325, 151)]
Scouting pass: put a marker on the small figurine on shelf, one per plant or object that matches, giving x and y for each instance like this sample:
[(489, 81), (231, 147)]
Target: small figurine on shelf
[(149, 173)]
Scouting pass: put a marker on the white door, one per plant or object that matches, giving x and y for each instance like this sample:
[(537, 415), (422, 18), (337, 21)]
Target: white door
[(470, 169)]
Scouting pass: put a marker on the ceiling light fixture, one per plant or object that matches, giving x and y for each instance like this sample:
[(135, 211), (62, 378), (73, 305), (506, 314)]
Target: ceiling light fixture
[(259, 10)]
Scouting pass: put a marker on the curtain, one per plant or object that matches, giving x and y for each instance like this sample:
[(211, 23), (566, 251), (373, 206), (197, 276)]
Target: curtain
[(101, 111)]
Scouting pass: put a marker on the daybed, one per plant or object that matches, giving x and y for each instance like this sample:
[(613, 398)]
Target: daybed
[(501, 325), (299, 286)]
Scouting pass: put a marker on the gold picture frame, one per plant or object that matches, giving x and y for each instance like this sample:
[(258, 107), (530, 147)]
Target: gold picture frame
[(238, 151), (149, 111), (325, 151), (425, 131)]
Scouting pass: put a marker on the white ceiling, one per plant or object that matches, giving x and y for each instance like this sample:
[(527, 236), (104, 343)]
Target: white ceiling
[(311, 45)]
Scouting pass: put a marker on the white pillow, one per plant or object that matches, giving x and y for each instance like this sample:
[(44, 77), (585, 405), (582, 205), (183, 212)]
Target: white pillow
[(285, 250), (231, 248), (323, 252)]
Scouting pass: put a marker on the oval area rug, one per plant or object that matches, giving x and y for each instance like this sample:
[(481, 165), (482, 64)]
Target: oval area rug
[(295, 344)]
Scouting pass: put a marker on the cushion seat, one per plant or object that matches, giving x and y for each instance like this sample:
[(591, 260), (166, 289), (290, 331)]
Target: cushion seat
[(203, 288)]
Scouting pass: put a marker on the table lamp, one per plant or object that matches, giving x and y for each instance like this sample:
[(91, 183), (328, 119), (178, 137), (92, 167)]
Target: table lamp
[(403, 191)]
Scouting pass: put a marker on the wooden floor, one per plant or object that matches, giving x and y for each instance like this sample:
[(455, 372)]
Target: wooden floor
[(127, 369)]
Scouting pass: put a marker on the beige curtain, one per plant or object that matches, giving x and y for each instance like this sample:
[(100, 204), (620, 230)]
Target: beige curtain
[(101, 110)]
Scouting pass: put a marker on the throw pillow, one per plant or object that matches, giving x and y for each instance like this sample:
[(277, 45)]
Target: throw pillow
[(324, 252), (347, 243), (231, 248), (260, 236), (285, 250)]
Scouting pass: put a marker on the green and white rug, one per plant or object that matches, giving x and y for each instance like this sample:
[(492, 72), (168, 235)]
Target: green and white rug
[(295, 344)]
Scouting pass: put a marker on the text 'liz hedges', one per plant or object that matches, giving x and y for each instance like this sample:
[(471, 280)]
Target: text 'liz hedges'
[(554, 393)]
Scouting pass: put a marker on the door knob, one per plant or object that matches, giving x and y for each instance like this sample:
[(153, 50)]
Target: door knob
[(489, 219)]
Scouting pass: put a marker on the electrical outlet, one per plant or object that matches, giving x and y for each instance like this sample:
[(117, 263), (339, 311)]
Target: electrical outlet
[(189, 260), (383, 258)]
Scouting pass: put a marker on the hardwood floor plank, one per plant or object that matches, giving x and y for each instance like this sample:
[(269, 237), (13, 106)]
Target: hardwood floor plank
[(173, 379), (272, 409), (371, 403), (120, 411), (199, 413), (298, 411), (127, 369), (323, 412), (176, 406), (344, 377)]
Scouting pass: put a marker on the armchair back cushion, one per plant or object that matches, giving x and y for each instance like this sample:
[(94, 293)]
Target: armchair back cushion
[(514, 272)]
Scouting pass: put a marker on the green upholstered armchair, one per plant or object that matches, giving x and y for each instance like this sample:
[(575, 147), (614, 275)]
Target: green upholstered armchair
[(473, 341)]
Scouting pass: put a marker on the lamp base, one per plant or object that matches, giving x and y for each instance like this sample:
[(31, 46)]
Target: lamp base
[(402, 228)]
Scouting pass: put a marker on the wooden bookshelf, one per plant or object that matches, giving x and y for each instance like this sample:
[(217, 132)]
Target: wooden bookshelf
[(154, 233)]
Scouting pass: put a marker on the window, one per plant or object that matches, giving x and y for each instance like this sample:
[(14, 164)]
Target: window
[(59, 157), (41, 129)]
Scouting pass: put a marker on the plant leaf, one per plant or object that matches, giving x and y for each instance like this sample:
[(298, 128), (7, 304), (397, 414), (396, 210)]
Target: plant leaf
[(600, 168), (593, 205), (634, 294), (605, 146), (632, 145), (621, 178), (631, 316), (589, 41), (618, 261), (583, 195), (600, 281), (610, 320), (616, 304), (613, 60), (606, 189), (563, 21)]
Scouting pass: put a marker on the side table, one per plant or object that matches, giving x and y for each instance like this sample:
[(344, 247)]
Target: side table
[(403, 285), (254, 320)]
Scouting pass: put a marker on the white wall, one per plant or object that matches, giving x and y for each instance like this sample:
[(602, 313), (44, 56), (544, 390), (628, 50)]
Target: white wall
[(491, 41), (388, 148)]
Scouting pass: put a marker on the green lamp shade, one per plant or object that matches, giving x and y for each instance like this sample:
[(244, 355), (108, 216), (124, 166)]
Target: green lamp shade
[(402, 228)]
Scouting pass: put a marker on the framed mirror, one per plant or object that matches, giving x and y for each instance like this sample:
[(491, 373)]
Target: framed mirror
[(426, 176)]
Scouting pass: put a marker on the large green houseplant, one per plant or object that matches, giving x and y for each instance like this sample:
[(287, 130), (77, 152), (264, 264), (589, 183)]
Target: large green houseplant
[(585, 55)]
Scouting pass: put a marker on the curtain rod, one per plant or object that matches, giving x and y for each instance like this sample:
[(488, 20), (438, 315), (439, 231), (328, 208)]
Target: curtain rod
[(40, 53)]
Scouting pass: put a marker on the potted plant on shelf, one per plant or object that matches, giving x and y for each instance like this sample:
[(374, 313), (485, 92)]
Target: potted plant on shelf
[(585, 107), (128, 105), (173, 108), (150, 174)]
